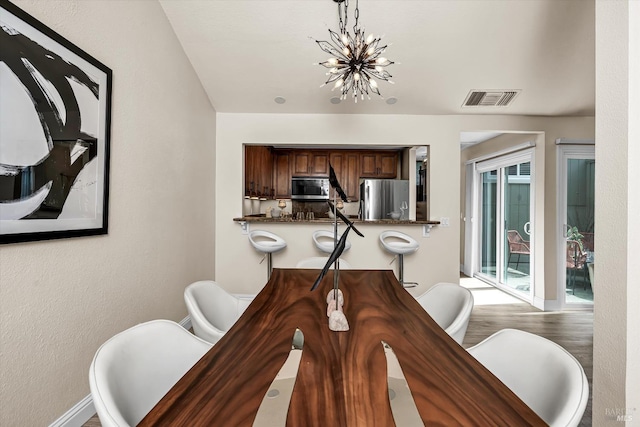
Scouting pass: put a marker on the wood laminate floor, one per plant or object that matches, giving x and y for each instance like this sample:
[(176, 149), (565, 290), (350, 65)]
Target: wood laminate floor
[(571, 330)]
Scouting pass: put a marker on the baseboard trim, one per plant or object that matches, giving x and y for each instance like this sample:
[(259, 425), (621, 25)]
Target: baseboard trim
[(546, 305), (82, 411), (77, 415), (538, 303), (186, 322)]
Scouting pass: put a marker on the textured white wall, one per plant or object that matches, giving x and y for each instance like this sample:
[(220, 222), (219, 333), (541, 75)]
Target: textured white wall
[(616, 344), (59, 300), (633, 295)]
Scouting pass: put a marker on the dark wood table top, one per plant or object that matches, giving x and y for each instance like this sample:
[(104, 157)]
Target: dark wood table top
[(342, 375)]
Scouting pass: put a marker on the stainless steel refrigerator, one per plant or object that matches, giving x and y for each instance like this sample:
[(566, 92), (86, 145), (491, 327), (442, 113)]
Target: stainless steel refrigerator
[(380, 197)]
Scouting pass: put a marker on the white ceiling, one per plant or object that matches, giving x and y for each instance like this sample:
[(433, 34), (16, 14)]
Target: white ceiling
[(247, 52)]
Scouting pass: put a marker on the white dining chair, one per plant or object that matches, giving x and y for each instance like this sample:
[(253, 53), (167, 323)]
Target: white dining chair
[(319, 263), (450, 305), (540, 372), (212, 309), (133, 370)]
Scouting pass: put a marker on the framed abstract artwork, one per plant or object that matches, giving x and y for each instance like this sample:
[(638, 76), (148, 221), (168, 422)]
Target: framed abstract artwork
[(55, 102)]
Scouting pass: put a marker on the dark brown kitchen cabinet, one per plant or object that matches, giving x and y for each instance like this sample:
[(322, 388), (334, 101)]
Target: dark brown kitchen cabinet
[(268, 170), (258, 170), (310, 163), (379, 164), (281, 174), (345, 165)]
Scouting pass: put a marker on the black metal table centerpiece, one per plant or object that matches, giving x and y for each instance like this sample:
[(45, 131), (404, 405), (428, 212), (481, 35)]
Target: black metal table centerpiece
[(335, 300)]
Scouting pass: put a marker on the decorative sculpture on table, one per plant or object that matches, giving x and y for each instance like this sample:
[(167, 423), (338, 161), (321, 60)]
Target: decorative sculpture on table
[(335, 299)]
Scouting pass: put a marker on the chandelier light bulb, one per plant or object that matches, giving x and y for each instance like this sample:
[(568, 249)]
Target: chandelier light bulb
[(346, 51), (338, 84), (356, 76), (370, 38), (373, 84), (345, 40), (332, 61)]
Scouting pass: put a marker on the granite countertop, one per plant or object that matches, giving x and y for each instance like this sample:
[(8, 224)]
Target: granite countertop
[(263, 219)]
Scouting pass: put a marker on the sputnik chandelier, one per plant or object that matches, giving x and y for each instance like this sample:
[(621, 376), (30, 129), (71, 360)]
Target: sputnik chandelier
[(355, 60)]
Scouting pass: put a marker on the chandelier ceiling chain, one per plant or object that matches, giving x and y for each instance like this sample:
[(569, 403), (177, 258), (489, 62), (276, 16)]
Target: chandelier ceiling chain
[(343, 25), (355, 60)]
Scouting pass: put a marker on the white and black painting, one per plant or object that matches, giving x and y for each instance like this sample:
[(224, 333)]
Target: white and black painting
[(54, 133)]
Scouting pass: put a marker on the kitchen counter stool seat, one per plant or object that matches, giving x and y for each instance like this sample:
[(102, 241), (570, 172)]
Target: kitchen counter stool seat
[(324, 241), (267, 243), (399, 244)]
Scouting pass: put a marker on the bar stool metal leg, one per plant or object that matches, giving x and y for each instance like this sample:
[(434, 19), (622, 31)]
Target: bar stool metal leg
[(269, 265), (401, 273)]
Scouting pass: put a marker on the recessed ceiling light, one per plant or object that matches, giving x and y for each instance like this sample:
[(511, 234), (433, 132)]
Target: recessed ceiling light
[(335, 100), (280, 100), (391, 100)]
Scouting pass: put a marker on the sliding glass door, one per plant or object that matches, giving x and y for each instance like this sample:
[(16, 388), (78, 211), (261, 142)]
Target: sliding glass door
[(576, 238), (488, 229), (517, 227), (505, 222)]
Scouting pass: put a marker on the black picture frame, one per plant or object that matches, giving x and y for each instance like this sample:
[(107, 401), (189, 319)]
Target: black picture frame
[(54, 133)]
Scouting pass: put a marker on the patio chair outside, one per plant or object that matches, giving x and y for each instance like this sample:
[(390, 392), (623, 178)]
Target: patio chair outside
[(576, 261), (517, 246)]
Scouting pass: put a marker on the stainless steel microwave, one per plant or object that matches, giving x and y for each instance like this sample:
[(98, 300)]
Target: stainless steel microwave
[(309, 188)]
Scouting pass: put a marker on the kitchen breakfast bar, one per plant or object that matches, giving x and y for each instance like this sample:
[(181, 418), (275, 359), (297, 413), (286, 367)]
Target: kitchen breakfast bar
[(263, 219), (313, 236)]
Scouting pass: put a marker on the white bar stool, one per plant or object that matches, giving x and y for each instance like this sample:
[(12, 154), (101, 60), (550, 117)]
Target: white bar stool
[(324, 241), (399, 244), (267, 243)]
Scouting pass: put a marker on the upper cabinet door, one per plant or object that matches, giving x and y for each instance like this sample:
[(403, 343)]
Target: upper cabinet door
[(310, 163), (368, 165), (320, 164), (257, 171), (281, 175), (345, 164), (300, 163), (388, 165), (381, 164)]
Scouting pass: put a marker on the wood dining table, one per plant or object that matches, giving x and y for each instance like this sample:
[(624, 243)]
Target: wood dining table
[(341, 379)]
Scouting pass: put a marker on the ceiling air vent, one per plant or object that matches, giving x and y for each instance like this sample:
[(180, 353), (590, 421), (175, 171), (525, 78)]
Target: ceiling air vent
[(490, 98)]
